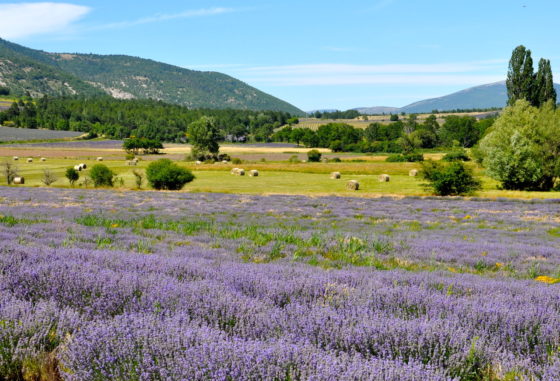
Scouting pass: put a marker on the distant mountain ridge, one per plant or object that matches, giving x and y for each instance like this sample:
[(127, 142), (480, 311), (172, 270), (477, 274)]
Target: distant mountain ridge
[(479, 97), (24, 70)]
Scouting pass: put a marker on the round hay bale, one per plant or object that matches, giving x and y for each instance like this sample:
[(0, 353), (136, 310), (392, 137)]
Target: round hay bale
[(16, 158), (353, 185), (43, 159), (19, 180), (225, 161), (254, 173), (136, 160), (84, 166), (384, 178), (198, 162), (77, 168), (234, 171), (99, 158), (29, 160), (335, 175), (413, 172), (240, 172)]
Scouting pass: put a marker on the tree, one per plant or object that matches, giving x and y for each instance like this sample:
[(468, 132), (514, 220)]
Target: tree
[(544, 90), (164, 174), (48, 177), (522, 148), (72, 175), (203, 135), (520, 79), (459, 128), (101, 175), (10, 171)]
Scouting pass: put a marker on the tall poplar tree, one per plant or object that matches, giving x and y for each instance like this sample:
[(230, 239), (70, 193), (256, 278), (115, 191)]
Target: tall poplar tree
[(520, 77), (544, 85)]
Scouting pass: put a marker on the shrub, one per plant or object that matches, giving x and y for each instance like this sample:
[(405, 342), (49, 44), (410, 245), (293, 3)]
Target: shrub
[(413, 157), (457, 156), (101, 175), (72, 175), (164, 174), (335, 160), (449, 179), (294, 159), (395, 158), (236, 160), (314, 156)]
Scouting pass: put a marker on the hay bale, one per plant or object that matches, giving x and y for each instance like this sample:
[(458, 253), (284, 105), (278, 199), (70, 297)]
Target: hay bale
[(43, 159), (131, 162), (16, 158), (353, 185), (225, 161), (77, 167), (254, 173), (29, 160), (234, 171), (198, 162), (136, 160), (240, 172), (84, 166), (384, 178), (413, 172), (19, 180), (99, 158), (335, 175)]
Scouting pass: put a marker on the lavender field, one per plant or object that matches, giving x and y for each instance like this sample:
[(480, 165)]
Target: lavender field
[(104, 285)]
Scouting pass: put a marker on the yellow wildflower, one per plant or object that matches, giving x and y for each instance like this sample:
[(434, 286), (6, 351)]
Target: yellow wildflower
[(547, 279), (499, 265), (115, 225)]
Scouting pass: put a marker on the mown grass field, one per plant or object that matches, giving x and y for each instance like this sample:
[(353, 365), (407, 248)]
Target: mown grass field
[(274, 177)]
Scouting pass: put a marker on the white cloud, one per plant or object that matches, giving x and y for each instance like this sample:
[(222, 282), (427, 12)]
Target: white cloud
[(21, 20), (166, 17), (458, 73)]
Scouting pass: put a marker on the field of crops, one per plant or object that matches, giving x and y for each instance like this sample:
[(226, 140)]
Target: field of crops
[(107, 285), (10, 134)]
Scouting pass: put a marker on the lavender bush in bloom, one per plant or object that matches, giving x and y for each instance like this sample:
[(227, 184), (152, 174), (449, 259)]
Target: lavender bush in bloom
[(174, 286)]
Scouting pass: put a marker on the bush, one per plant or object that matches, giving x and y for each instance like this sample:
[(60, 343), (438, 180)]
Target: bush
[(457, 156), (72, 175), (294, 159), (101, 175), (335, 160), (314, 156), (409, 157), (449, 179), (164, 174), (236, 160), (396, 158)]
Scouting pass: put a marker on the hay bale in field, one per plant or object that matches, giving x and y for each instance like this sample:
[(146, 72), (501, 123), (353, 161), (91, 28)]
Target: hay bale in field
[(234, 171), (225, 161), (77, 167), (84, 166), (136, 160), (335, 175), (19, 180), (384, 178), (413, 172), (353, 185), (43, 159), (29, 160), (16, 158), (254, 173), (198, 162), (99, 158), (240, 172), (131, 162)]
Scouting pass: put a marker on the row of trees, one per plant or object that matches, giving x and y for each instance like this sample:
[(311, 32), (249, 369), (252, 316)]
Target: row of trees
[(402, 135), (150, 119)]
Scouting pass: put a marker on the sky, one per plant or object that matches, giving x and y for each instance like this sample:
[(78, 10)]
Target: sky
[(313, 54)]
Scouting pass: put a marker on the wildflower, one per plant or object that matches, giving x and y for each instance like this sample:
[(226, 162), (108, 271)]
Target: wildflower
[(547, 279)]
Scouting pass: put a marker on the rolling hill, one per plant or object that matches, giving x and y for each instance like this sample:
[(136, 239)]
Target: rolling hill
[(24, 70), (478, 97)]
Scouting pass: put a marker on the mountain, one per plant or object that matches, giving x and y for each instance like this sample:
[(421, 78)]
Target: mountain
[(376, 110), (478, 97), (37, 72)]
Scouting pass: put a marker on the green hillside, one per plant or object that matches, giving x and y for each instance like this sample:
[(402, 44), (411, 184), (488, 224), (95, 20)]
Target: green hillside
[(23, 69)]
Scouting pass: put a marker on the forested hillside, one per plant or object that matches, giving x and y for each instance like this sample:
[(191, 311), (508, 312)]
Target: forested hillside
[(143, 118), (37, 73)]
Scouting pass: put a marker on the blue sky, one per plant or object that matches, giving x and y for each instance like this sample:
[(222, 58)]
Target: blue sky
[(313, 54)]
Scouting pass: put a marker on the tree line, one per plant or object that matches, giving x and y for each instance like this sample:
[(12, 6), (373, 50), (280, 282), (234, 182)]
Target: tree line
[(120, 119), (399, 136)]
